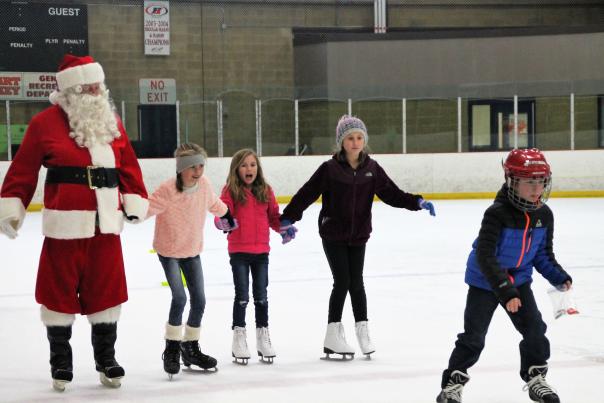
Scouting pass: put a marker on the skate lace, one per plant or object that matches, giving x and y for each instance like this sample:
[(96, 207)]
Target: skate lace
[(364, 333), (170, 355), (241, 339), (538, 386), (266, 338), (195, 351), (453, 391)]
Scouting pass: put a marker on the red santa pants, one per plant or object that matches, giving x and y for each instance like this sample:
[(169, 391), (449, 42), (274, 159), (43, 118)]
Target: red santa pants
[(81, 275)]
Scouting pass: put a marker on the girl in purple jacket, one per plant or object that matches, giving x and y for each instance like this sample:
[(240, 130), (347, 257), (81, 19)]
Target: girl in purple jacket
[(252, 203), (347, 184)]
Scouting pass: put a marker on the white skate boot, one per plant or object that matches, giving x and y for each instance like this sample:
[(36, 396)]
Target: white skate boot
[(362, 331), (264, 346), (335, 342), (239, 350)]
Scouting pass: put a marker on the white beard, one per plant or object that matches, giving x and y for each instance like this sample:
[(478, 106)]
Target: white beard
[(91, 117)]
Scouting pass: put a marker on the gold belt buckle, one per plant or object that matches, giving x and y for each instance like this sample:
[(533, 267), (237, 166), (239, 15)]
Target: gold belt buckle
[(89, 176)]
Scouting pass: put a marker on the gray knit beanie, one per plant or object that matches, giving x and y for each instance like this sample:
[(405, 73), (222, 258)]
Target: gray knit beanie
[(349, 124)]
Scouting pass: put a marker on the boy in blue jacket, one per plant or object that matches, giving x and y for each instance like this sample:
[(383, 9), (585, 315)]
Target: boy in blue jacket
[(515, 235)]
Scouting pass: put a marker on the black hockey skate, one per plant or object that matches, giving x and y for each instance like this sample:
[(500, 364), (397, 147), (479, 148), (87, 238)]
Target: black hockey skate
[(171, 358), (192, 355), (61, 368), (453, 384), (110, 372), (539, 390)]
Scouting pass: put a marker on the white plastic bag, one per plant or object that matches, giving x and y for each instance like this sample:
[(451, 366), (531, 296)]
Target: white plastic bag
[(563, 301)]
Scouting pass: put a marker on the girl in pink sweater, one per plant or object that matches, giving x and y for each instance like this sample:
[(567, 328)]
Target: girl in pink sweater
[(252, 202), (181, 204)]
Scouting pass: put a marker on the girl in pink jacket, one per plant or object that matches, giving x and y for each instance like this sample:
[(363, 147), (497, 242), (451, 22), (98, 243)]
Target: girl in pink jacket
[(252, 202), (181, 204)]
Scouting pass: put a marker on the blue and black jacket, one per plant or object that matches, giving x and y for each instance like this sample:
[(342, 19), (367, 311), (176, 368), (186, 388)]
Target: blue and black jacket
[(510, 244)]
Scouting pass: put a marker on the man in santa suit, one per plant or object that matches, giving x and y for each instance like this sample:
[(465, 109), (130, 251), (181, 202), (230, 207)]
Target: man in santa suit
[(93, 183)]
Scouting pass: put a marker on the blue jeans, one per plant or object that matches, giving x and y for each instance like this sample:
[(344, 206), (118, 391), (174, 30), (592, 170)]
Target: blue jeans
[(191, 268), (242, 264)]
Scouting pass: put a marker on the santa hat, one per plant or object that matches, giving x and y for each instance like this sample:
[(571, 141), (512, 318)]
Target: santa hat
[(78, 70)]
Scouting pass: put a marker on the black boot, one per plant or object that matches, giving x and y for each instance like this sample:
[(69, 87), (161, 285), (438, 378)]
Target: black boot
[(191, 354), (171, 357), (104, 336), (539, 390), (61, 367)]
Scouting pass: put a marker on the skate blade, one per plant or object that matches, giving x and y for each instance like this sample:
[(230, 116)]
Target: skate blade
[(110, 382), (368, 355), (195, 369), (240, 360), (266, 359), (345, 356), (59, 385)]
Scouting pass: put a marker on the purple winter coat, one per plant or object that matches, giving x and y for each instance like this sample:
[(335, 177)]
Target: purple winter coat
[(347, 199)]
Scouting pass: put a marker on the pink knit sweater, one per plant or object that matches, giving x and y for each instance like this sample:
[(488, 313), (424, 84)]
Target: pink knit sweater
[(181, 217)]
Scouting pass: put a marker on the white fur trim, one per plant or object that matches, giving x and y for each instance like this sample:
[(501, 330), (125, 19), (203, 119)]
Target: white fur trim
[(68, 224), (53, 97), (111, 220), (173, 332), (12, 210), (135, 205), (84, 74), (53, 318), (102, 155), (192, 333), (110, 315)]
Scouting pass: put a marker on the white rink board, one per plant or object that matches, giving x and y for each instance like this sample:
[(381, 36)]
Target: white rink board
[(414, 173)]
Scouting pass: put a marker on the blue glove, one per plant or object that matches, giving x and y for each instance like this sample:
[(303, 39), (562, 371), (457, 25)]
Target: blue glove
[(426, 205), (287, 231)]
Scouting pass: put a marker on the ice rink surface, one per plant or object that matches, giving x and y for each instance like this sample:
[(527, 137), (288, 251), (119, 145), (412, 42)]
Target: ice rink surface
[(414, 271)]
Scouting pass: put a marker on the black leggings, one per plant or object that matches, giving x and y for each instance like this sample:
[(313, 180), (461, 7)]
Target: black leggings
[(346, 263)]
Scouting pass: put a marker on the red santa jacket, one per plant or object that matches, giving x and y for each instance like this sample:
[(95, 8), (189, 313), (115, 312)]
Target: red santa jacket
[(70, 209)]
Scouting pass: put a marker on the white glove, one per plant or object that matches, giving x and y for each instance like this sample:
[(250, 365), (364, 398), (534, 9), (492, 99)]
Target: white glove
[(7, 229)]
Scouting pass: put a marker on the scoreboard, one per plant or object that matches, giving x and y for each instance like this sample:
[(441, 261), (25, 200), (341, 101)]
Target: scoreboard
[(34, 37)]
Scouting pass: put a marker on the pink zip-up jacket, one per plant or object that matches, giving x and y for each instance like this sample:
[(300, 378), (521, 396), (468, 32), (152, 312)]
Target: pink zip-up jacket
[(181, 217), (254, 220)]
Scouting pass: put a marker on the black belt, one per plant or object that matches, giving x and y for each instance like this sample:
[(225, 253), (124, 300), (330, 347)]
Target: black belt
[(93, 177)]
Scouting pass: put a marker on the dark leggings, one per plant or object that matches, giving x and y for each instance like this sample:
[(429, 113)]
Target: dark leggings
[(346, 263)]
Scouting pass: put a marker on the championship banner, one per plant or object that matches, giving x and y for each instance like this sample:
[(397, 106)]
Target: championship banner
[(157, 27), (34, 36)]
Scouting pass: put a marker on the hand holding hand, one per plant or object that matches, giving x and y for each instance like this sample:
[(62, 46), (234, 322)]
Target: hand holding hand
[(226, 223), (287, 231), (7, 229), (426, 205)]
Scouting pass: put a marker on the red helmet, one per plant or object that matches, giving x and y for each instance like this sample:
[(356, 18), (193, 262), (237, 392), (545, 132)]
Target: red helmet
[(526, 163), (522, 165)]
